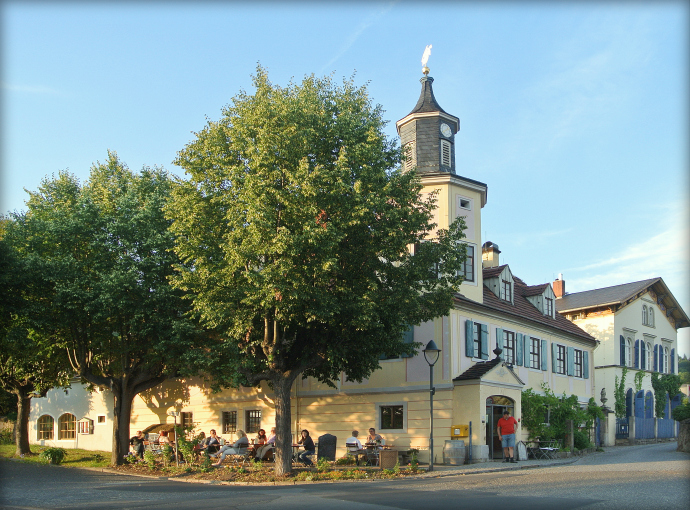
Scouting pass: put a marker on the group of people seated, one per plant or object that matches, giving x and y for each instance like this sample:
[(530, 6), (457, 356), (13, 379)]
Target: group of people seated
[(355, 447), (260, 447)]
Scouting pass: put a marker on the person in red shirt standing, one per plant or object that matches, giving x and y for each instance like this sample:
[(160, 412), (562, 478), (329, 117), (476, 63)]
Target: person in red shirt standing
[(506, 433)]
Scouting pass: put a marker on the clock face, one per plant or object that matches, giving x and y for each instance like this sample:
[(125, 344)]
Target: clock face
[(445, 130)]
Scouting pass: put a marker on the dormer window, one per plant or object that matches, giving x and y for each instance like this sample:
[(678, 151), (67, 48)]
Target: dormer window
[(507, 290), (548, 306)]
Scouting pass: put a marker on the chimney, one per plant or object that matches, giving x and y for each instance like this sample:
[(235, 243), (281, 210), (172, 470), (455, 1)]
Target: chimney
[(490, 253), (559, 286)]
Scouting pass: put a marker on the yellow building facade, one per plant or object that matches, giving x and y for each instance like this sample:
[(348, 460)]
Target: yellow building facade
[(501, 337)]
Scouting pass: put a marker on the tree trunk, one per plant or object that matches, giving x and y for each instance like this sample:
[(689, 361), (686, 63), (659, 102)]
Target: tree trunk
[(122, 412), (283, 459), (21, 426)]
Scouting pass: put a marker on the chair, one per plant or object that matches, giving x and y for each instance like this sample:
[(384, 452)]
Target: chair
[(354, 450), (242, 456)]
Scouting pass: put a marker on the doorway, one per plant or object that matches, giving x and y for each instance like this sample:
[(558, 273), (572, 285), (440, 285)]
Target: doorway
[(495, 405)]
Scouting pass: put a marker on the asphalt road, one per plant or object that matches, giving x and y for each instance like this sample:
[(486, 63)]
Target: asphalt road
[(651, 477)]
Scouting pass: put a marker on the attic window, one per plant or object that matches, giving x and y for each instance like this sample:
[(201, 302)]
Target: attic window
[(548, 306), (507, 290), (445, 152), (464, 203)]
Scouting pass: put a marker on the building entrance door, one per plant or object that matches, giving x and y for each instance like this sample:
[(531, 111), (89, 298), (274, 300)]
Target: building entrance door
[(495, 405)]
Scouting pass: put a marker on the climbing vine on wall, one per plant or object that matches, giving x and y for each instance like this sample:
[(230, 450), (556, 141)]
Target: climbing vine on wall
[(619, 394), (667, 383), (639, 376)]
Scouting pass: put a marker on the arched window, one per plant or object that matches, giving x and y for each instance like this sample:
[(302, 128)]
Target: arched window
[(649, 356), (644, 314), (628, 353), (67, 426), (46, 427), (650, 319)]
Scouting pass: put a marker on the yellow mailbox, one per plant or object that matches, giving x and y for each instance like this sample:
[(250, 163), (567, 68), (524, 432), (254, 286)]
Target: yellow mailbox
[(458, 431)]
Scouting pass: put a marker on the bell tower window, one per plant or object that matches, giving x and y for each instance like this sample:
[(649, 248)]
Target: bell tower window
[(445, 153)]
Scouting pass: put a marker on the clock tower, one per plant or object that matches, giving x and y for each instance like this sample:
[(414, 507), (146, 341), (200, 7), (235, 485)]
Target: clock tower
[(427, 134)]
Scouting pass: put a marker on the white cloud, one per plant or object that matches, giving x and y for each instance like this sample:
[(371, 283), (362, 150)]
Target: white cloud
[(665, 255)]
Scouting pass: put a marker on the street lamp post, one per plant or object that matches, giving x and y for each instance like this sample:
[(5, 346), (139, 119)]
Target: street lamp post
[(431, 354), (175, 414)]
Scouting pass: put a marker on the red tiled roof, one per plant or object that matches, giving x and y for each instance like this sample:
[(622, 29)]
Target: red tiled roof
[(491, 272), (534, 290), (522, 308)]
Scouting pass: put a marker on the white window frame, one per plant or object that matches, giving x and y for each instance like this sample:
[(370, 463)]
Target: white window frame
[(532, 342), (474, 265), (649, 355), (379, 405), (650, 317)]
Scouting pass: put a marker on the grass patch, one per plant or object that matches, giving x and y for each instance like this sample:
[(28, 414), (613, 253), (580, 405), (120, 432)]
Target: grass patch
[(74, 458)]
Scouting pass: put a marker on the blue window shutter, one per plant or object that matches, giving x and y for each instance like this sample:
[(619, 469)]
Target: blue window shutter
[(673, 361), (544, 355), (408, 338), (637, 354), (526, 350), (518, 350), (585, 365), (622, 351), (570, 360), (484, 337), (656, 357), (469, 338), (499, 339), (554, 356)]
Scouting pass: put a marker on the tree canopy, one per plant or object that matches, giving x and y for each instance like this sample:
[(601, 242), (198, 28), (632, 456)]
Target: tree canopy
[(31, 362), (295, 228), (110, 255)]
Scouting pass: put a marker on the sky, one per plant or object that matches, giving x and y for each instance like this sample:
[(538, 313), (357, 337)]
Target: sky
[(575, 114)]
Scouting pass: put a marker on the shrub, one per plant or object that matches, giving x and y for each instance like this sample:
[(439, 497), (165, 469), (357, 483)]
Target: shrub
[(322, 465), (682, 412), (6, 436), (53, 455), (581, 439), (150, 459)]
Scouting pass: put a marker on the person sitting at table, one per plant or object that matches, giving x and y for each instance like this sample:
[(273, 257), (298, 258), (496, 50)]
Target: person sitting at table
[(211, 444), (268, 446), (374, 438), (356, 449), (309, 448), (233, 449), (137, 443), (163, 439), (258, 441)]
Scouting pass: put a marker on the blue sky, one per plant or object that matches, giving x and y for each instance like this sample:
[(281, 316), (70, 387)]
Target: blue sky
[(574, 114)]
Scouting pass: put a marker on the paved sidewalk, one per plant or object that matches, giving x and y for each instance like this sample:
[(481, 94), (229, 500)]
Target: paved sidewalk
[(498, 465)]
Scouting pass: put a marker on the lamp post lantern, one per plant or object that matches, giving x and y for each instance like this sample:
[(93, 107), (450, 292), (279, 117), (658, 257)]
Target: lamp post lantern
[(431, 354), (175, 414)]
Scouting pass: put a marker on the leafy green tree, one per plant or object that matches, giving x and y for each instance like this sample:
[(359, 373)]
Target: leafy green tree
[(295, 224), (30, 362), (110, 252)]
